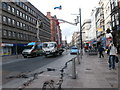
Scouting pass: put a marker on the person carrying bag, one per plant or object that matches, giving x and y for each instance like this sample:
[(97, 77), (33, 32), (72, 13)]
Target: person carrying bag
[(112, 56)]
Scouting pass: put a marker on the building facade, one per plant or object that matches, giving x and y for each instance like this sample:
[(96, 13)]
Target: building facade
[(56, 34), (93, 25), (86, 30), (19, 20), (76, 39), (115, 21)]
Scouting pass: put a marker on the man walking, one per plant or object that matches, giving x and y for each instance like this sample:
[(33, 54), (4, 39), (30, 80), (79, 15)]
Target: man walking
[(100, 50), (112, 56)]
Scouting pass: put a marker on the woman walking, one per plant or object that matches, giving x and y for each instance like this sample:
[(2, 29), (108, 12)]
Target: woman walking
[(112, 56)]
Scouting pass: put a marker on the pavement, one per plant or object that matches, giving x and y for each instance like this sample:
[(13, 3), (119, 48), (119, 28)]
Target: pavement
[(92, 72)]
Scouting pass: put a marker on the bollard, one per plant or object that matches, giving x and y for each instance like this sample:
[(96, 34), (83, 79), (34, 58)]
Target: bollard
[(73, 69), (78, 58)]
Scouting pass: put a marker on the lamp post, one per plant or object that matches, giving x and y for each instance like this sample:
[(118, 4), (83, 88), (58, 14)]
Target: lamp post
[(79, 21), (81, 51)]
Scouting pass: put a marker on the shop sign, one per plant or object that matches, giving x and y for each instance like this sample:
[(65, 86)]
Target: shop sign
[(5, 44)]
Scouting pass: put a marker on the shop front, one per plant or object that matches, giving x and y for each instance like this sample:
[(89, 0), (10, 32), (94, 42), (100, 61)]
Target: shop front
[(11, 49), (6, 49)]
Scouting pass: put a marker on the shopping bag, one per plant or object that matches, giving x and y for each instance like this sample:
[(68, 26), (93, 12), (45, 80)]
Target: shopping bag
[(117, 59)]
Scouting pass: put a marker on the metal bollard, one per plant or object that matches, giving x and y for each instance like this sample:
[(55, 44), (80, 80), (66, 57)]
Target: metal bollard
[(78, 58), (73, 69)]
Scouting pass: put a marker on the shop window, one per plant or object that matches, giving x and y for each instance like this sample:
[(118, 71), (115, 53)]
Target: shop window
[(9, 8), (4, 6), (5, 51)]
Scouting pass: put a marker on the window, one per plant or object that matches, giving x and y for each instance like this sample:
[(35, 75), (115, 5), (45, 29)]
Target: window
[(29, 18), (21, 25), (26, 17), (5, 33), (0, 18), (17, 12), (26, 8), (4, 19), (4, 5), (18, 35), (20, 14), (21, 35), (13, 22), (9, 8), (9, 33), (9, 20), (13, 34), (18, 24), (23, 15), (23, 6), (13, 10)]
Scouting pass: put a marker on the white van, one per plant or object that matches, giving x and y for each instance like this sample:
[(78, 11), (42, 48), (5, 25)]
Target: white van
[(32, 49)]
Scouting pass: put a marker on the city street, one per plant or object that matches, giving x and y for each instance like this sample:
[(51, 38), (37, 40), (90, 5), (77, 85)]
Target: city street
[(30, 65), (93, 72)]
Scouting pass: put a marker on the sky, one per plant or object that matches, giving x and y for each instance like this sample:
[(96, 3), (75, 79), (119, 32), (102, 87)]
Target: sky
[(68, 11)]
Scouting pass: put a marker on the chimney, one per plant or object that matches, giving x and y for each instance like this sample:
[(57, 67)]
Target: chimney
[(48, 14)]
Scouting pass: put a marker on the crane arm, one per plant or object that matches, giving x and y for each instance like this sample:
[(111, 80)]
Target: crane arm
[(67, 22)]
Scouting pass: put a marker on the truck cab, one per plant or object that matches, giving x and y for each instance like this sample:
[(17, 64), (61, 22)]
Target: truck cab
[(51, 48)]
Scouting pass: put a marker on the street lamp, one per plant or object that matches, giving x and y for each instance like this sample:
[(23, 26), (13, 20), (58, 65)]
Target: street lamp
[(79, 21), (80, 33)]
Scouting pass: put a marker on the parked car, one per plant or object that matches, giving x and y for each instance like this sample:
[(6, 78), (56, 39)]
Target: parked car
[(74, 50)]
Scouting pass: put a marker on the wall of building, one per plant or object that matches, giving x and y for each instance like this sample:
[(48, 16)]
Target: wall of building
[(19, 21)]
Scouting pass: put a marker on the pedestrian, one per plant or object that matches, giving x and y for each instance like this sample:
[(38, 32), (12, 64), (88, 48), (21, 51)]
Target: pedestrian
[(100, 50), (112, 56)]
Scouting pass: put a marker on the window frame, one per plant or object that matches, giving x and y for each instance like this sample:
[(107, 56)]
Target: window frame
[(9, 22), (9, 8)]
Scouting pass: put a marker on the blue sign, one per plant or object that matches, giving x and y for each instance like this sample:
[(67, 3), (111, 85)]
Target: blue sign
[(32, 43)]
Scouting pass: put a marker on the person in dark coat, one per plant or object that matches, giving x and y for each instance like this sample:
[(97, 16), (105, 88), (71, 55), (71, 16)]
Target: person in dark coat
[(100, 50)]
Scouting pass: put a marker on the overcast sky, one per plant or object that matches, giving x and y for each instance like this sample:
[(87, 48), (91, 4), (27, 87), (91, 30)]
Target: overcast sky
[(69, 7)]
